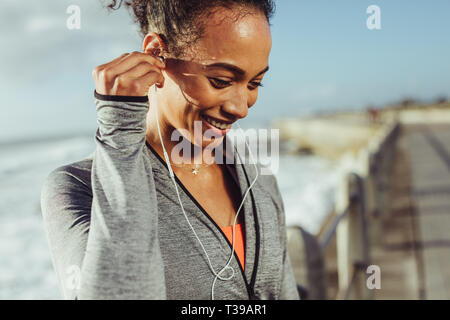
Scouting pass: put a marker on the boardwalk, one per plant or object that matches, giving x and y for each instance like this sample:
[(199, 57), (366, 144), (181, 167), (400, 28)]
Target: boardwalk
[(414, 254)]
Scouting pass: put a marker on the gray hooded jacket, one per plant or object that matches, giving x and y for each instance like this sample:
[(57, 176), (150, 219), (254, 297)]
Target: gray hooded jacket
[(116, 229)]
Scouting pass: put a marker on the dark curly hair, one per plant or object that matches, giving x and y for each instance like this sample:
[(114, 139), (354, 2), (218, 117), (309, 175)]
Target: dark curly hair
[(181, 22)]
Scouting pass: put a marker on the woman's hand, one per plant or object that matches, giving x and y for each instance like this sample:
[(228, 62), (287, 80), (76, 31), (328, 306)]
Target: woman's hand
[(131, 74)]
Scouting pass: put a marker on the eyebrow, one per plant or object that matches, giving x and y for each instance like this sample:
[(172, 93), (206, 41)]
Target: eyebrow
[(233, 68)]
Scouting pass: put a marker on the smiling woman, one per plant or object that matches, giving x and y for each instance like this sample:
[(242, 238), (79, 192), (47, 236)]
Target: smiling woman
[(115, 216)]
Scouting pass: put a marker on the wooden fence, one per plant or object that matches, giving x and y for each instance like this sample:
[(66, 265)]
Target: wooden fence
[(355, 223)]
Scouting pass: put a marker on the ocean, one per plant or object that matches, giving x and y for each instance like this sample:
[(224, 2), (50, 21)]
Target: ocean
[(307, 184)]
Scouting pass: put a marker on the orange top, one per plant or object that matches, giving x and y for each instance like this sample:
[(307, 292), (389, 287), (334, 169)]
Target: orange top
[(239, 246)]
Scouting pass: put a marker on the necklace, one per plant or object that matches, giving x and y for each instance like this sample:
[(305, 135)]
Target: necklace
[(194, 170)]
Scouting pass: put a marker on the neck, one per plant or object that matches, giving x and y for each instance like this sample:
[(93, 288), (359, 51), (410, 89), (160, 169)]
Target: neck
[(193, 158)]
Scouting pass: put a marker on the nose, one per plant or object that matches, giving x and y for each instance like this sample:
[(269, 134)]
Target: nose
[(237, 105)]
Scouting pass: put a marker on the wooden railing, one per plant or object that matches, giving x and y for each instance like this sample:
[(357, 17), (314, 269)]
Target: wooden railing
[(355, 224), (359, 209)]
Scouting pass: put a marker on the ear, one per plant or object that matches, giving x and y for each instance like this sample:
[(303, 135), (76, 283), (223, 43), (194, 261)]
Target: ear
[(153, 44)]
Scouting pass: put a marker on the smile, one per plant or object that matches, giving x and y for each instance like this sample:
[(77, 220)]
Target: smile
[(217, 124)]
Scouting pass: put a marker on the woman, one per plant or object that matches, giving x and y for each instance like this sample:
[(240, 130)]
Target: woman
[(119, 226)]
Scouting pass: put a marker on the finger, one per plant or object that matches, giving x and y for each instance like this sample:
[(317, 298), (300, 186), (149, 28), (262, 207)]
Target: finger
[(98, 73), (108, 75), (139, 70), (132, 60), (111, 63), (126, 85)]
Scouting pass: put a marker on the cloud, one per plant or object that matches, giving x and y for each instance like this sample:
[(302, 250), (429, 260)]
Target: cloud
[(37, 45), (45, 68)]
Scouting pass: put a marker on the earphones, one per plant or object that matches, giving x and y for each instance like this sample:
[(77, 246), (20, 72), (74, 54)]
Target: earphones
[(172, 176)]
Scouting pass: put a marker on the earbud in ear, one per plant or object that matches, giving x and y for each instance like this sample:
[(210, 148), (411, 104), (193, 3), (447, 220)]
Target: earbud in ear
[(156, 52)]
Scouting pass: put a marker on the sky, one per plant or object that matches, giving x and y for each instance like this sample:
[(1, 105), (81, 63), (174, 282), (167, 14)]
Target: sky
[(323, 58)]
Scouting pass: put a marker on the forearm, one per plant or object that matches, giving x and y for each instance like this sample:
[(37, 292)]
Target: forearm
[(123, 258)]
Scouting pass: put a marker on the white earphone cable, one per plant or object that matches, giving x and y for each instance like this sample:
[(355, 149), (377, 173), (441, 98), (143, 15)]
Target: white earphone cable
[(227, 266)]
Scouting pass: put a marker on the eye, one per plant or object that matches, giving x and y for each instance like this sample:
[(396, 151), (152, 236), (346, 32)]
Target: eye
[(219, 83), (255, 85)]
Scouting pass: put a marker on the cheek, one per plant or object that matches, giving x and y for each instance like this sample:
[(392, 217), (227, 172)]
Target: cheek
[(199, 93)]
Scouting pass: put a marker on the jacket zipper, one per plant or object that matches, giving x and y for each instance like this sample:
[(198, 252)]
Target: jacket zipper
[(250, 288)]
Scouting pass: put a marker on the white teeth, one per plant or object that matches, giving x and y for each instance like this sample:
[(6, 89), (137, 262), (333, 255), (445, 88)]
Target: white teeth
[(219, 125)]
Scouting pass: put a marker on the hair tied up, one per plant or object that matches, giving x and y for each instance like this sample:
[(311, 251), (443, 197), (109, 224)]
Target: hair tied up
[(179, 23)]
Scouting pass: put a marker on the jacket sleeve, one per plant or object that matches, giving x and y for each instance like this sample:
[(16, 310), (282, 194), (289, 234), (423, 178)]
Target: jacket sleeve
[(110, 249), (288, 288)]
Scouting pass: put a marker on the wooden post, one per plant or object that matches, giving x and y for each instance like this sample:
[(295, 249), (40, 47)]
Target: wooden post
[(360, 199), (342, 237), (353, 251)]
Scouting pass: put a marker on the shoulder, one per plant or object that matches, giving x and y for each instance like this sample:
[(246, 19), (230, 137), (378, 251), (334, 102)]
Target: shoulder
[(73, 174), (67, 185)]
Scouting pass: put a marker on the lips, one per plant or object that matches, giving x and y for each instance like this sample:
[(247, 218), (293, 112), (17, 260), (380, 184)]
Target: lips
[(219, 128), (216, 123)]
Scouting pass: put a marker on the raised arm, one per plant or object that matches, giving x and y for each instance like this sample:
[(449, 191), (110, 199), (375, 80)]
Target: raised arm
[(110, 250)]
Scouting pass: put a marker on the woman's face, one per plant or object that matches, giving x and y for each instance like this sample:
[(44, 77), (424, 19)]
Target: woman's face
[(219, 78)]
